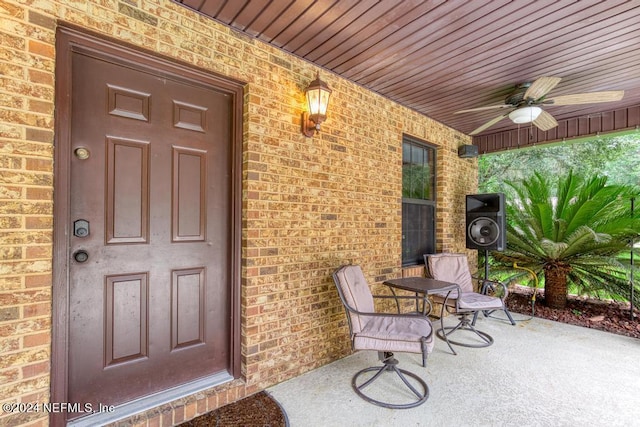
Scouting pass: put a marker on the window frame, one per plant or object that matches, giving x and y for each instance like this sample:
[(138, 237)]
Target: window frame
[(431, 201)]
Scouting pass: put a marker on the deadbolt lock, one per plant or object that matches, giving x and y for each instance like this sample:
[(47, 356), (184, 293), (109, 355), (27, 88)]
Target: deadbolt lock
[(81, 228), (81, 153)]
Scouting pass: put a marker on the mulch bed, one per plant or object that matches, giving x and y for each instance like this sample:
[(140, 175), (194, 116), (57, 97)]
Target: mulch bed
[(258, 410), (609, 316)]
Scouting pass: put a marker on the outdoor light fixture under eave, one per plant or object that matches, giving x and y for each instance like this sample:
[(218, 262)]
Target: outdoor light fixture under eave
[(525, 114), (318, 94)]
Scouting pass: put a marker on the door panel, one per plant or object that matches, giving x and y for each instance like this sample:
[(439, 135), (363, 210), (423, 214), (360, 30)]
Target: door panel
[(150, 307), (189, 208), (187, 310), (127, 198), (126, 313)]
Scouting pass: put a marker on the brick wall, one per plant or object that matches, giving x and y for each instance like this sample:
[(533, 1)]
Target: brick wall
[(309, 204)]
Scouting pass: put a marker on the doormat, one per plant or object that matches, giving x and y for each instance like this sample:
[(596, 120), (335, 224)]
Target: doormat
[(256, 410)]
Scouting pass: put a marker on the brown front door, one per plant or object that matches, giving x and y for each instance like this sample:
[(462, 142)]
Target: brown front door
[(149, 302)]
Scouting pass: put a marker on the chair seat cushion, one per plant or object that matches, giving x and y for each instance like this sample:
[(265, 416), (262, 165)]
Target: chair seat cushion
[(402, 334), (475, 301), (470, 301)]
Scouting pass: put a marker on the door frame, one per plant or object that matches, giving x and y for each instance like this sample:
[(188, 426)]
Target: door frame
[(69, 41)]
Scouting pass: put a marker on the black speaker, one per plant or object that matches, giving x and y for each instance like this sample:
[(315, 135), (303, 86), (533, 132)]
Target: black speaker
[(486, 222), (467, 151)]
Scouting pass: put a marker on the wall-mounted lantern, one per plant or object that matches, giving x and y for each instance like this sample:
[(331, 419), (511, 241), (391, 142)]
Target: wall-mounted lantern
[(318, 94)]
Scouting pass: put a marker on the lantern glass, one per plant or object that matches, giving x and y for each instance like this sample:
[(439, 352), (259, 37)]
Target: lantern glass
[(318, 94), (318, 100)]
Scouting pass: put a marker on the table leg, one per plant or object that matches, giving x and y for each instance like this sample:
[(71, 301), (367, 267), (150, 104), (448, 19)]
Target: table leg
[(396, 298)]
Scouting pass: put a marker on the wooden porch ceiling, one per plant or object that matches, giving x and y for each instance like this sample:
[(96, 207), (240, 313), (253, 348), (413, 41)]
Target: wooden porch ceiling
[(438, 57)]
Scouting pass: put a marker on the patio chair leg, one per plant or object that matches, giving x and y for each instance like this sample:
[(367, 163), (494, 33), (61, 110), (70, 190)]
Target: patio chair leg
[(466, 325), (390, 365), (475, 317), (441, 333), (423, 345), (486, 337), (513, 322), (487, 313)]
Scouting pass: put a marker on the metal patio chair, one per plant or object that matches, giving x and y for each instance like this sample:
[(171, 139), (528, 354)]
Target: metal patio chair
[(385, 333), (464, 301)]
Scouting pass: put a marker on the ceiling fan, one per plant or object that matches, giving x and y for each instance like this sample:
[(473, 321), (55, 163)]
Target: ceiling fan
[(524, 103)]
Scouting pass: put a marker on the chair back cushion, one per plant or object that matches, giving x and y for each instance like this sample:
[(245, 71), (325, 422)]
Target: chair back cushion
[(355, 293), (452, 268)]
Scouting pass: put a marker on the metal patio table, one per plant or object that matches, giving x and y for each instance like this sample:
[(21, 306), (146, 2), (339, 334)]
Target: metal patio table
[(421, 285)]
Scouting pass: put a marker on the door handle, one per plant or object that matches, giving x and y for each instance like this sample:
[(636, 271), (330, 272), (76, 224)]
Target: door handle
[(81, 255)]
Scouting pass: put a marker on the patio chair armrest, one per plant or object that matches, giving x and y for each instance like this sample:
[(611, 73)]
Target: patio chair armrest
[(383, 314), (412, 297)]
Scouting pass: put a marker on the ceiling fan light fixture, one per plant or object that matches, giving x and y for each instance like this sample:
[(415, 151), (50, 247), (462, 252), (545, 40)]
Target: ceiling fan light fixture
[(525, 114)]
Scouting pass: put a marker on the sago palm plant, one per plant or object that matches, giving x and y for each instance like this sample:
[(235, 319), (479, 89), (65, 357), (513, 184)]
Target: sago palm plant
[(570, 231)]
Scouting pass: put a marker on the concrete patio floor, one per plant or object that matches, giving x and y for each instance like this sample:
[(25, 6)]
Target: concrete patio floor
[(537, 373)]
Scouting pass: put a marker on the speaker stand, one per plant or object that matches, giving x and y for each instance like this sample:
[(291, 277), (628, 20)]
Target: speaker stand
[(486, 264)]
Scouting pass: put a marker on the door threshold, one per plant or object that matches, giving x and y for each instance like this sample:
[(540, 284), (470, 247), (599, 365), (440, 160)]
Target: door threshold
[(152, 401)]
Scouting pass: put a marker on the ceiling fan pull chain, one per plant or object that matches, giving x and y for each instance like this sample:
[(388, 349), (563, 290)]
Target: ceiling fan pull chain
[(531, 131)]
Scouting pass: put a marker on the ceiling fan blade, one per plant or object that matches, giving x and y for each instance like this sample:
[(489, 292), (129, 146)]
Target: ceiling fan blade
[(586, 98), (545, 121), (489, 124), (541, 87), (488, 107)]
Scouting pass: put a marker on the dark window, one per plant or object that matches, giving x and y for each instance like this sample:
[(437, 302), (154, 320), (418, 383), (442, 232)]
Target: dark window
[(418, 201)]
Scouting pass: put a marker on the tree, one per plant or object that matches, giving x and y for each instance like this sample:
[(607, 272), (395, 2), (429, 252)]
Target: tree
[(617, 157), (571, 232)]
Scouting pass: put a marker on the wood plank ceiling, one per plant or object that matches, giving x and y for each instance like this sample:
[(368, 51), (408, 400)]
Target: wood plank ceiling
[(438, 57)]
